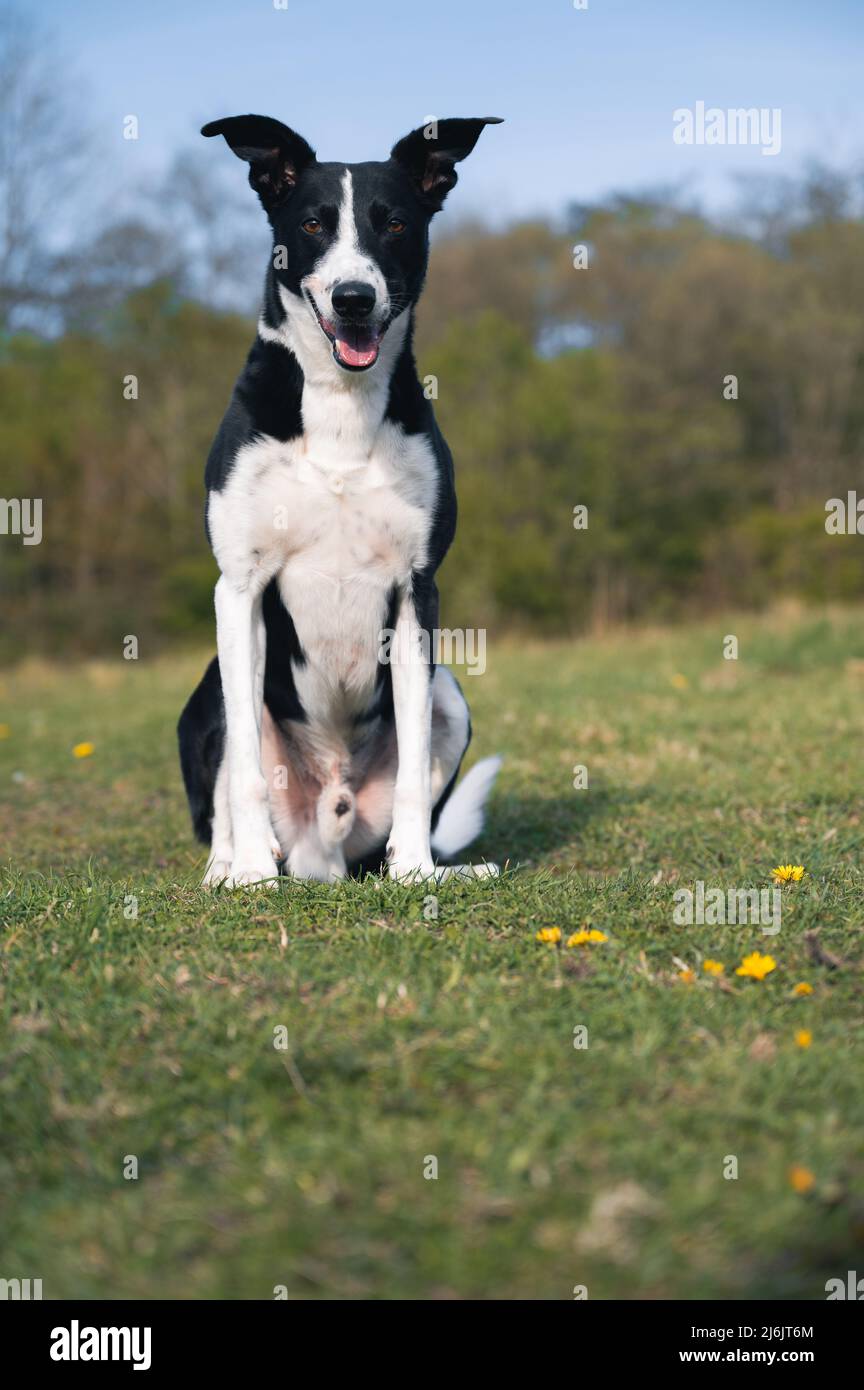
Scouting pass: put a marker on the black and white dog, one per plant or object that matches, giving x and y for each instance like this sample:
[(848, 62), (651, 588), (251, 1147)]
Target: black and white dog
[(330, 506)]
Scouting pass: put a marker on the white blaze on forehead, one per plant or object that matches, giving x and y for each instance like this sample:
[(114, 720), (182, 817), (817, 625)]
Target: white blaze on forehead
[(346, 260), (347, 240)]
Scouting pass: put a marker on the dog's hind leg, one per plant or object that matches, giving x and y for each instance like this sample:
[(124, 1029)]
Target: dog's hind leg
[(203, 758), (457, 817), (201, 734), (311, 811), (318, 853), (312, 858), (221, 841)]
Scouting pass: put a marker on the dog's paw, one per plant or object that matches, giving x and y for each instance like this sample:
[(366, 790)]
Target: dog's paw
[(410, 869), (264, 875), (336, 812), (218, 871), (450, 871), (409, 853)]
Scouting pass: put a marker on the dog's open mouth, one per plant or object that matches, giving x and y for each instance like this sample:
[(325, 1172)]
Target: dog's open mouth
[(355, 346)]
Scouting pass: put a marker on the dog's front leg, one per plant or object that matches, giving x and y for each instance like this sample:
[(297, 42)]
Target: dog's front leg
[(241, 643), (409, 852)]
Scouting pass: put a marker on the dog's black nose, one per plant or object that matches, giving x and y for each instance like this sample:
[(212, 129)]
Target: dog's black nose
[(352, 299)]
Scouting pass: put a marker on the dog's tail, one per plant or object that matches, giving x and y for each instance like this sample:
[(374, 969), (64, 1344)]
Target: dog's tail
[(461, 818)]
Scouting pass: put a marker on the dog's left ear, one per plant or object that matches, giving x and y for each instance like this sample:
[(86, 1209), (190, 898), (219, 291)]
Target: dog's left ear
[(276, 155), (430, 154)]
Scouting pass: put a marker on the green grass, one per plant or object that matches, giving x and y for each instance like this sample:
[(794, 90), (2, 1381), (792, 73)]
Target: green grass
[(411, 1036)]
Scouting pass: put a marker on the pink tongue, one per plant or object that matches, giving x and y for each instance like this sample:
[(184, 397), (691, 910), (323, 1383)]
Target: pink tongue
[(354, 356)]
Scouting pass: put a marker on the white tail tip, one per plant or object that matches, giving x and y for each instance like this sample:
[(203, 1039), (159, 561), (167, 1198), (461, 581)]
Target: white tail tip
[(462, 817)]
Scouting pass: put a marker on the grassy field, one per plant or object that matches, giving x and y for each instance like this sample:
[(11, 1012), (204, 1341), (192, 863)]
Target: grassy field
[(410, 1037)]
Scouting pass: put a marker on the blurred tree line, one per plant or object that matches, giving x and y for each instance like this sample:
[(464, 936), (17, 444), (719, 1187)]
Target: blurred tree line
[(600, 386)]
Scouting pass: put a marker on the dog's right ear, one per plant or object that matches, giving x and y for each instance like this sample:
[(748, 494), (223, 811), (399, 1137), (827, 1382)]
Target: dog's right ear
[(430, 154), (275, 154)]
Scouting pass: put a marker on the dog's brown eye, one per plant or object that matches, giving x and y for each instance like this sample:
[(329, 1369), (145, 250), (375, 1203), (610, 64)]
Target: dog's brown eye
[(396, 226), (312, 226)]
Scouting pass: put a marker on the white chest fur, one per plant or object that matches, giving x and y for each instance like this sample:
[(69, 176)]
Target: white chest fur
[(338, 522)]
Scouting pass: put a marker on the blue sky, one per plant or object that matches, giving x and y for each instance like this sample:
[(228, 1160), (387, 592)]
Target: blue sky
[(587, 95)]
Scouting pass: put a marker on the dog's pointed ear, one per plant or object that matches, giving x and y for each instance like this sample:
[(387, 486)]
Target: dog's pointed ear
[(430, 154), (275, 154)]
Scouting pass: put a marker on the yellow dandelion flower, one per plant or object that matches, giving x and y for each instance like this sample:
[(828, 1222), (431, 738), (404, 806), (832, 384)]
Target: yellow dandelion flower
[(803, 988), (803, 1037), (756, 966), (5, 731), (584, 938), (788, 873), (800, 1178), (688, 976), (550, 935), (713, 967), (680, 682), (83, 750)]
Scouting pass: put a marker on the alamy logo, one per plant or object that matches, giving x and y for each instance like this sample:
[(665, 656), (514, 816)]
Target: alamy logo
[(76, 1343), (20, 1288), (845, 518), (734, 906), (443, 645), (852, 1289), (22, 516), (740, 125)]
